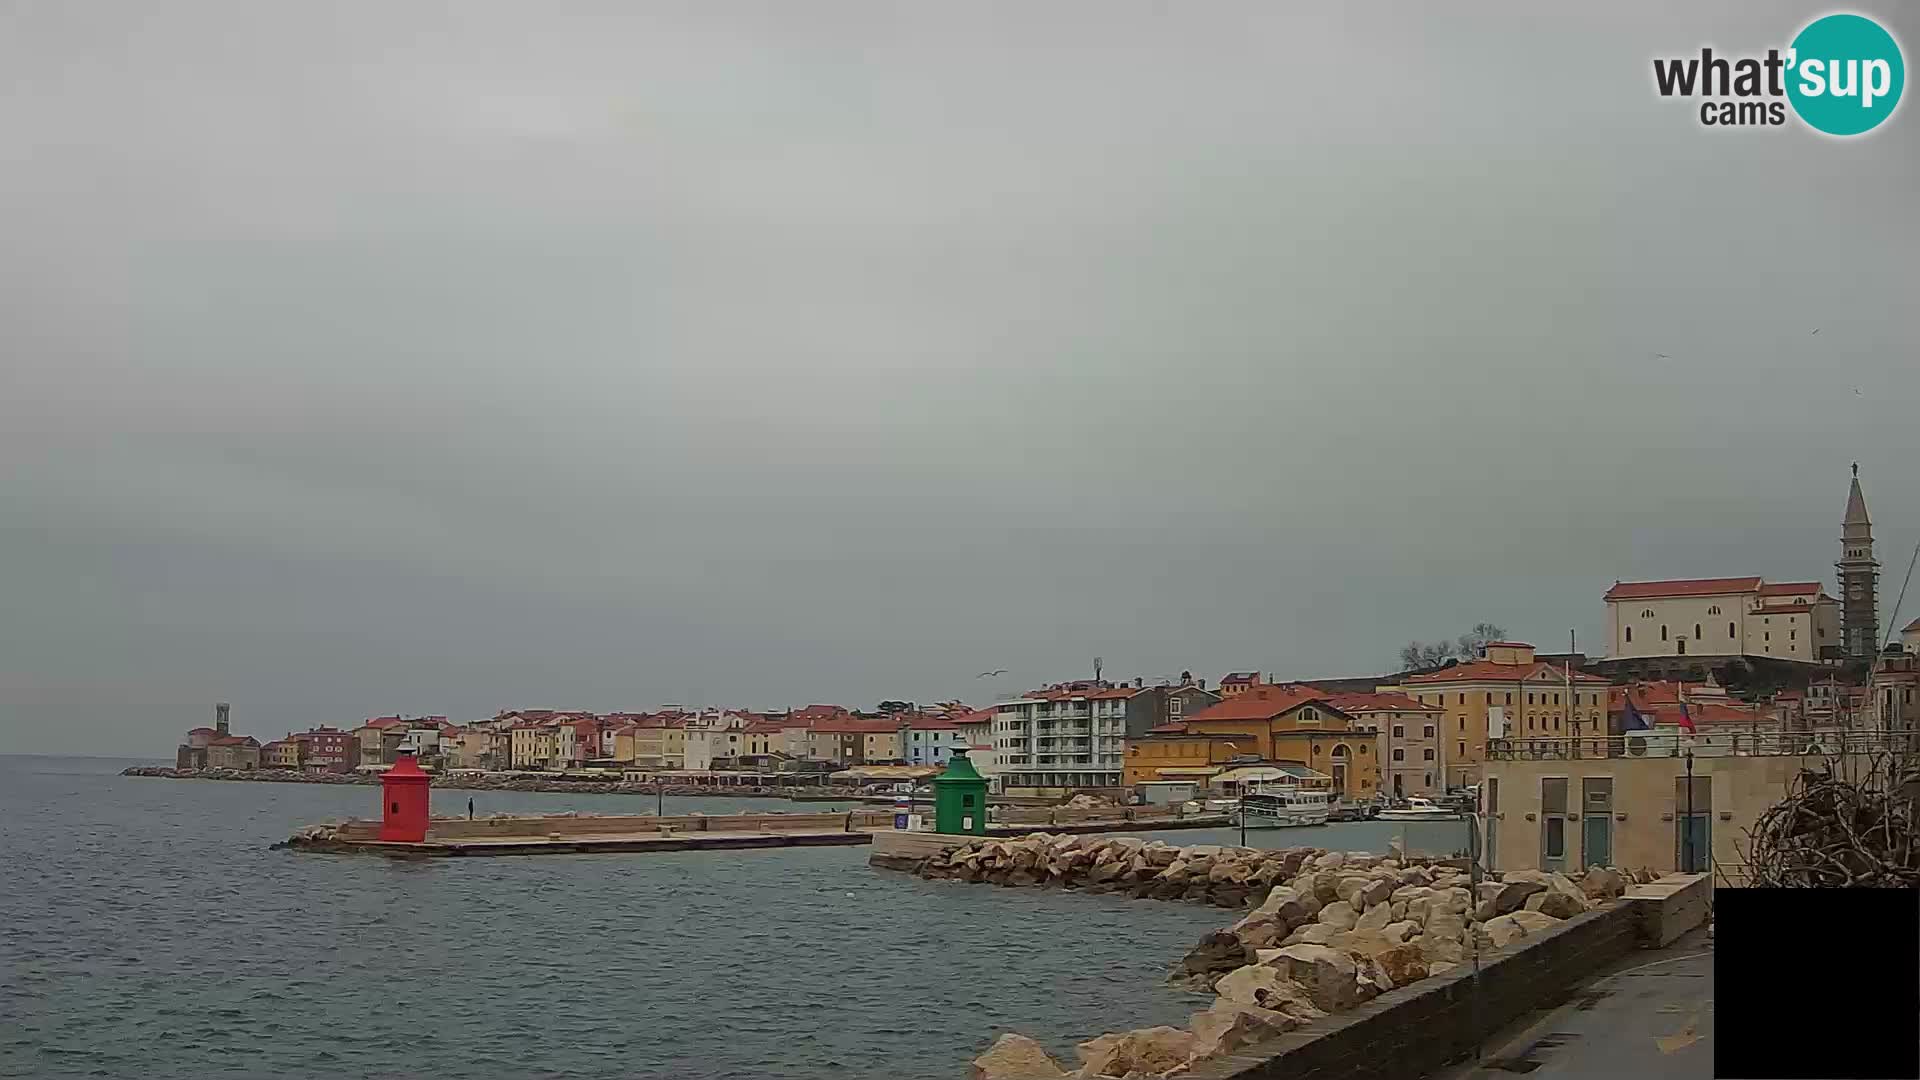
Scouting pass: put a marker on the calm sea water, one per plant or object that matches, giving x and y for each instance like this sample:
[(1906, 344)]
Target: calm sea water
[(146, 930)]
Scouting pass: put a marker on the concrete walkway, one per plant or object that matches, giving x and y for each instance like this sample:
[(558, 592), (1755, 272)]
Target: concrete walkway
[(1651, 1018)]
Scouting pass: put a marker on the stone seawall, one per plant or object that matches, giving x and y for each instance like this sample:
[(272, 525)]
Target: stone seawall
[(500, 783)]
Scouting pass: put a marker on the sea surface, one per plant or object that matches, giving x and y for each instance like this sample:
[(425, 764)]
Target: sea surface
[(148, 930)]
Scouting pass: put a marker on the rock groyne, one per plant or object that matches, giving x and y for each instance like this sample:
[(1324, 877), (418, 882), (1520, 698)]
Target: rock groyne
[(1328, 930)]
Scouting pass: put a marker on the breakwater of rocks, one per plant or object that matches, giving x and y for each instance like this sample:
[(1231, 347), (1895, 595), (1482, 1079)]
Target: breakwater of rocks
[(1327, 931), (499, 782)]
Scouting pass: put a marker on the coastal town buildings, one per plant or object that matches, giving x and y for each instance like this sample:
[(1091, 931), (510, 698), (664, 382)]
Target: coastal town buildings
[(1294, 725), (1067, 738), (930, 740), (1152, 706), (1407, 744), (1683, 803), (1723, 618), (1508, 693), (1233, 684), (327, 749), (1859, 576), (281, 754)]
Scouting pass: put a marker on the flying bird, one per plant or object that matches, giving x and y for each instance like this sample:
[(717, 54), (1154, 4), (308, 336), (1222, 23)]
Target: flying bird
[(1815, 331), (991, 674), (1661, 356)]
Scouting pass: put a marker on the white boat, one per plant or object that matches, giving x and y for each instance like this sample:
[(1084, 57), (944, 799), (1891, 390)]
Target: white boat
[(1276, 806), (1419, 809)]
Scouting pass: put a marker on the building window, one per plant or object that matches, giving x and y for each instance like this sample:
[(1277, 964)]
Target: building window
[(1429, 732), (1729, 630), (1696, 631), (1429, 756), (1629, 633), (1793, 635), (1400, 732), (1463, 699), (1463, 750), (1768, 636), (1174, 705), (1663, 631), (1714, 610), (1399, 754), (1509, 697), (1647, 613), (1529, 699)]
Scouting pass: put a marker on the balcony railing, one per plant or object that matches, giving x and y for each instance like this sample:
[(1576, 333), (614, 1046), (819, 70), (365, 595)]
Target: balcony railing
[(1705, 744)]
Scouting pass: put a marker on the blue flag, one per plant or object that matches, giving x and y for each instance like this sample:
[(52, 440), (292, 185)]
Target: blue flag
[(1634, 720)]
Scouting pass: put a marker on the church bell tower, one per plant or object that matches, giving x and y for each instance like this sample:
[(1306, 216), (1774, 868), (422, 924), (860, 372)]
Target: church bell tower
[(1859, 577)]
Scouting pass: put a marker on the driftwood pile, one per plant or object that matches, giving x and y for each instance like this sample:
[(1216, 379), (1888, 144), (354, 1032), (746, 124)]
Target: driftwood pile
[(1832, 832)]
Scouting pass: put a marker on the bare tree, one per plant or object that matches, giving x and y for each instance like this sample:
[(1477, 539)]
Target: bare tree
[(1427, 655)]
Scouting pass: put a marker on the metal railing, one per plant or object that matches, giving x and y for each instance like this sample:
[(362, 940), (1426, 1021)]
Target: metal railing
[(1705, 744)]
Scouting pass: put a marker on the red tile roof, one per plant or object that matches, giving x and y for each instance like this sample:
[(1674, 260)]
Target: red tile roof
[(1260, 703), (1238, 677), (1380, 702), (1488, 671), (204, 731), (235, 740), (1647, 590), (1790, 588), (855, 725), (763, 727), (978, 716), (932, 723)]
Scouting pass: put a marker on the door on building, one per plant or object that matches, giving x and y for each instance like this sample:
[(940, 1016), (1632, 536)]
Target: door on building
[(1693, 826), (1596, 821), (1553, 823), (1396, 785)]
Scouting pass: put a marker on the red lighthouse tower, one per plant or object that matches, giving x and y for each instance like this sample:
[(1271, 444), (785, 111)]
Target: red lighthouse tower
[(403, 801)]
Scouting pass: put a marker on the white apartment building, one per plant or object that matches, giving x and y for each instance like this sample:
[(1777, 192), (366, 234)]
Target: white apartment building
[(1722, 617), (1067, 738)]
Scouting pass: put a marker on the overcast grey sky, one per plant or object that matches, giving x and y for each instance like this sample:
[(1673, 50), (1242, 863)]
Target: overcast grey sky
[(367, 357)]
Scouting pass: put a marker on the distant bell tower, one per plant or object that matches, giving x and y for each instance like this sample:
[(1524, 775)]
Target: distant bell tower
[(220, 718), (1859, 577)]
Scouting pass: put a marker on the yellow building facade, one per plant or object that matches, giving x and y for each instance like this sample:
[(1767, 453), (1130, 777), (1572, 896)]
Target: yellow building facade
[(1510, 695)]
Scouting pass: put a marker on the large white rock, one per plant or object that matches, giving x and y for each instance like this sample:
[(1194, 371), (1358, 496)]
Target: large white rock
[(1326, 974), (1016, 1057), (1339, 915), (1267, 985), (1147, 1052), (1603, 883), (1374, 919), (1228, 1026)]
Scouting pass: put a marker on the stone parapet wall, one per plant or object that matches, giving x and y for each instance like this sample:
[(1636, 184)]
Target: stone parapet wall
[(1422, 1027)]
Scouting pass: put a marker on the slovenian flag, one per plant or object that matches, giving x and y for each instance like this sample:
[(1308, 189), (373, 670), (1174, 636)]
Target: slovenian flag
[(1634, 720)]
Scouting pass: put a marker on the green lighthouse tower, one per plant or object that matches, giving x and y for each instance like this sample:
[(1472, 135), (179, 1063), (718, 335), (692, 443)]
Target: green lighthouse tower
[(960, 798)]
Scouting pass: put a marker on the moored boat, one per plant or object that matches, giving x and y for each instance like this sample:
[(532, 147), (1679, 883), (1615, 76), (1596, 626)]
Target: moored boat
[(1275, 806), (1419, 809)]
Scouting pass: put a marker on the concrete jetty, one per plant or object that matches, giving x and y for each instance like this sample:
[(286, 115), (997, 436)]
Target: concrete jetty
[(626, 833)]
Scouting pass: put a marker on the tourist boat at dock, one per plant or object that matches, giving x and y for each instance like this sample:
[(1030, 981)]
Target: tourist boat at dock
[(1275, 806), (1419, 809)]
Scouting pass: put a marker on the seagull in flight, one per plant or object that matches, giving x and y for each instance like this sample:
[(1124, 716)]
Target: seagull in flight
[(1661, 356), (1815, 331), (991, 674)]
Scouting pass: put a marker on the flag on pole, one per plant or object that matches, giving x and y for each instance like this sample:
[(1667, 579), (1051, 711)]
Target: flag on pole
[(1686, 718), (1634, 720)]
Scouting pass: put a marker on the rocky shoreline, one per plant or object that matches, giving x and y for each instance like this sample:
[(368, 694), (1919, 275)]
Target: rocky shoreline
[(495, 783), (1328, 930)]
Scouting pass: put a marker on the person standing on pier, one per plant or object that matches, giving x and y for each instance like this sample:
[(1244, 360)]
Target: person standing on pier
[(469, 808)]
